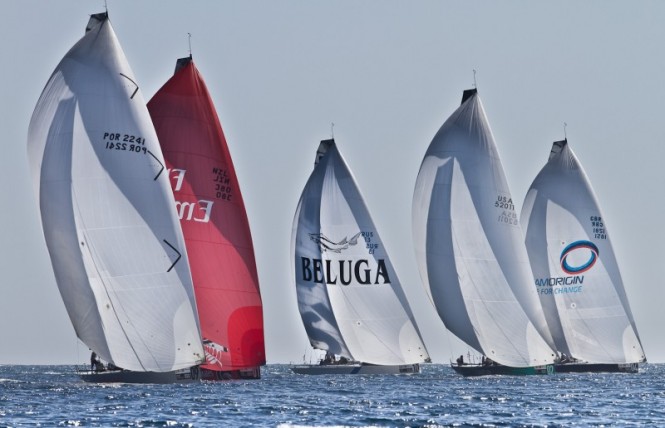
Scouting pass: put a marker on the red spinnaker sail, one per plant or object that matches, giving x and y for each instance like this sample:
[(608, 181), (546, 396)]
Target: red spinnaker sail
[(213, 219)]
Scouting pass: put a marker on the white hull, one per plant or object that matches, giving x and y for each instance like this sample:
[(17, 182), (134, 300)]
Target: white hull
[(355, 368), (128, 376)]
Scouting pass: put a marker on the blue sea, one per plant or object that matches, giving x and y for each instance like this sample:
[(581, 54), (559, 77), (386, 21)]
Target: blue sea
[(54, 396)]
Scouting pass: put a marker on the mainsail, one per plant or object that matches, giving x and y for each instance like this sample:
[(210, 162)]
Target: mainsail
[(469, 244), (107, 211), (350, 299), (213, 219), (575, 269)]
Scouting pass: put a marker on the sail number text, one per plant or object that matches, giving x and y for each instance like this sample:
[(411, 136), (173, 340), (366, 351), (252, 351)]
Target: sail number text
[(598, 227), (124, 142), (371, 246), (222, 180), (505, 203), (508, 215)]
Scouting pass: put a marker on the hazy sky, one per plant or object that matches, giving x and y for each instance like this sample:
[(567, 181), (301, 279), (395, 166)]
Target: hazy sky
[(388, 74)]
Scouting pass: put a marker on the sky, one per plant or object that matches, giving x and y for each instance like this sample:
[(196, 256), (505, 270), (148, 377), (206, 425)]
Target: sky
[(387, 73)]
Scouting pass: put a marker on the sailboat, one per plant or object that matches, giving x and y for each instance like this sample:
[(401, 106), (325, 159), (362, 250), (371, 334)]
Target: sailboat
[(109, 219), (350, 299), (576, 272), (470, 250), (214, 223)]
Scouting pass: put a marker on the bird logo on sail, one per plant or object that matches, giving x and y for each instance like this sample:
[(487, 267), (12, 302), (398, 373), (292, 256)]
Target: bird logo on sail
[(326, 244), (588, 264), (213, 352), (333, 270)]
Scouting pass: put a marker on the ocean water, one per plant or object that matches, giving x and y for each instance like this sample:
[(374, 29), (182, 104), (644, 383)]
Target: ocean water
[(54, 396)]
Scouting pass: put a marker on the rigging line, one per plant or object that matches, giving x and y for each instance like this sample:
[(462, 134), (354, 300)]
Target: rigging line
[(332, 131), (403, 299), (450, 345), (590, 331), (565, 136), (92, 250), (78, 350), (350, 304), (102, 278), (407, 313), (484, 303), (189, 37), (428, 292), (332, 311), (474, 79)]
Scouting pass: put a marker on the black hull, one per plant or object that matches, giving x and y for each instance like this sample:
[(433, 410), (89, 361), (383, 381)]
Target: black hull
[(498, 369), (596, 368), (355, 368), (247, 373), (127, 376)]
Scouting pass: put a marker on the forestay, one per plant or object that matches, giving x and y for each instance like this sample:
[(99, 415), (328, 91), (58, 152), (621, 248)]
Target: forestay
[(469, 244), (107, 211), (574, 266), (349, 296)]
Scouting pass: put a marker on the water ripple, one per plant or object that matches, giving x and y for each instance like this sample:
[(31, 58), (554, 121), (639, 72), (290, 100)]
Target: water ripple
[(53, 395)]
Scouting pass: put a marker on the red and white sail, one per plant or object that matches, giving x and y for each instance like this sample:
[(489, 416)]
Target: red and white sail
[(213, 219)]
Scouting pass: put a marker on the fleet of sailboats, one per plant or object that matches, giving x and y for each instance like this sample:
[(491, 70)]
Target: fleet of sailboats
[(575, 270), (152, 252)]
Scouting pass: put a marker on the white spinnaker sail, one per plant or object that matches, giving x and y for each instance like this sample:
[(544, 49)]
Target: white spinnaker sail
[(469, 244), (107, 211), (349, 296), (575, 270)]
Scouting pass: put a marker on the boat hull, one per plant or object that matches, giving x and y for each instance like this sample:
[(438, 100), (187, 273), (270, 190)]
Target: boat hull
[(246, 373), (128, 376), (596, 368), (355, 368), (497, 369)]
